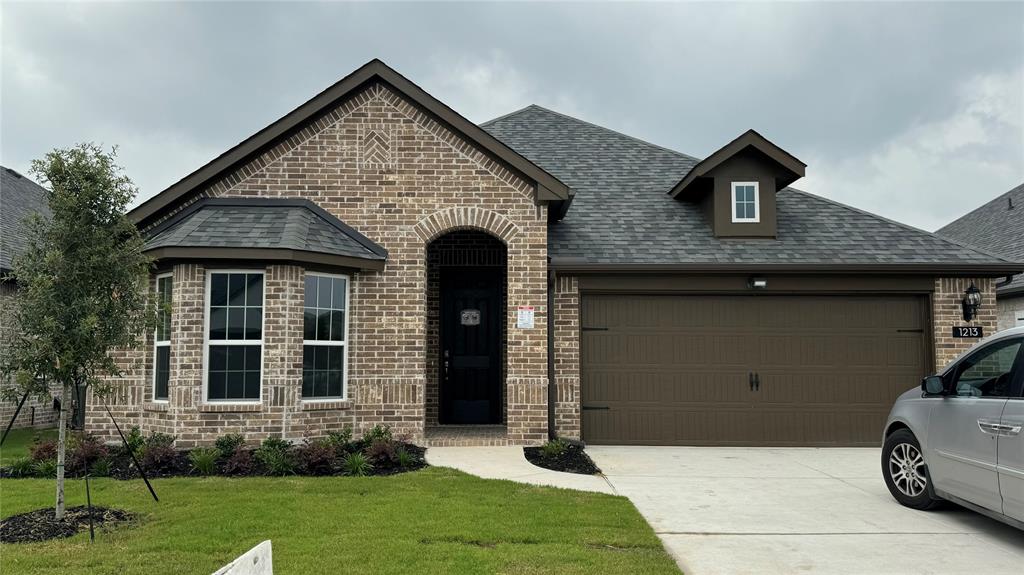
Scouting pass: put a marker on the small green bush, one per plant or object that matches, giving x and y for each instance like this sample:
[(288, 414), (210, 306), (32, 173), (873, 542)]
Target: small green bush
[(135, 440), (275, 456), (377, 432), (275, 444), (204, 460), (47, 468), (340, 440), (554, 448), (100, 468), (228, 444), (23, 467), (405, 459), (161, 439), (356, 465)]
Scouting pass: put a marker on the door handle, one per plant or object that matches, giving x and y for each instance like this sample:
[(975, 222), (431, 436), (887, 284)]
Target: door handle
[(996, 428), (757, 382), (750, 379)]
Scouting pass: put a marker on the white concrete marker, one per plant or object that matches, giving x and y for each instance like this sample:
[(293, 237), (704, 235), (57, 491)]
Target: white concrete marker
[(256, 561)]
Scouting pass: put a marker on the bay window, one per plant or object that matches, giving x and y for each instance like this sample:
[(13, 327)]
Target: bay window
[(162, 337), (234, 335), (325, 334)]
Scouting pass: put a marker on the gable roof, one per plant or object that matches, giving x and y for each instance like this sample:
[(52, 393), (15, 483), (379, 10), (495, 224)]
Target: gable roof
[(263, 229), (750, 139), (995, 227), (19, 197), (548, 186), (622, 219)]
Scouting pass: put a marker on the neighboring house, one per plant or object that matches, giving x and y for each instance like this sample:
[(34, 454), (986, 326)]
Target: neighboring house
[(19, 197), (375, 258), (998, 227)]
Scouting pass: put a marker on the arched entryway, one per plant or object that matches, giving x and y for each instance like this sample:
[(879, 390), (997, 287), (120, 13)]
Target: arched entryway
[(466, 329)]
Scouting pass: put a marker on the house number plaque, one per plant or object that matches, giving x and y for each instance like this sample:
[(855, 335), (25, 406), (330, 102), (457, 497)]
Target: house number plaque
[(470, 317), (967, 331)]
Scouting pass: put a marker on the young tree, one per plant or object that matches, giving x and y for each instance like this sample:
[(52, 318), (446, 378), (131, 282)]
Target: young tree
[(81, 283)]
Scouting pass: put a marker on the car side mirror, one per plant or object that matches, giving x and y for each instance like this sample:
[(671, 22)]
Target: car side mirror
[(933, 385)]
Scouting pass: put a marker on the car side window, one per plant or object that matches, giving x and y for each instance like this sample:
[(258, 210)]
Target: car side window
[(989, 372)]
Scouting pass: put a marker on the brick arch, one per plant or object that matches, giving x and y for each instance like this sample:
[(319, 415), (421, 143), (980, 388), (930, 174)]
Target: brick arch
[(443, 221)]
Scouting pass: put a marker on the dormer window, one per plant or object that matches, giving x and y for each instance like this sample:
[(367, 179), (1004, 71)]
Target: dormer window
[(745, 202)]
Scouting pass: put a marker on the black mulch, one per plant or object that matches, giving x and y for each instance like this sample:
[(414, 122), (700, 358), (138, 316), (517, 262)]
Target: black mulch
[(572, 460), (39, 525)]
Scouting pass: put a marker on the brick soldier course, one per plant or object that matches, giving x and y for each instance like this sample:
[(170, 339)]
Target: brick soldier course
[(381, 161)]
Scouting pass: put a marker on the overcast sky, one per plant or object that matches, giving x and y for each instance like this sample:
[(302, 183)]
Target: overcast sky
[(913, 111)]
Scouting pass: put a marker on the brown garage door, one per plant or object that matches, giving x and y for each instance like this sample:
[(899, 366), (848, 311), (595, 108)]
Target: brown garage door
[(747, 370)]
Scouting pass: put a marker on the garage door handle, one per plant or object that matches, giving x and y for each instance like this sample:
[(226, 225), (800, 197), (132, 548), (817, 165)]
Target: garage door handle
[(750, 379), (596, 408), (757, 382)]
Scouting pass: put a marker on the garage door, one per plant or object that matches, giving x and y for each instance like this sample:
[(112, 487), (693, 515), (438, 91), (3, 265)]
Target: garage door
[(747, 370)]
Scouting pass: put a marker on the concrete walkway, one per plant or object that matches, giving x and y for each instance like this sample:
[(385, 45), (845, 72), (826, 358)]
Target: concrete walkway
[(510, 463), (739, 510)]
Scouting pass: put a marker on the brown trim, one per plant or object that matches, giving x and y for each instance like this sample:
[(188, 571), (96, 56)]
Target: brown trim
[(777, 285), (548, 186), (955, 269), (264, 254), (748, 138)]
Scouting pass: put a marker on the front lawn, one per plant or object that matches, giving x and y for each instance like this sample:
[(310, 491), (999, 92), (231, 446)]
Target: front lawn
[(18, 441), (431, 521)]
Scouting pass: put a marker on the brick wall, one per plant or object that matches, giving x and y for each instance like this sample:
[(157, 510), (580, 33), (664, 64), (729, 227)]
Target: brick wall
[(388, 170), (567, 357), (37, 411), (947, 312)]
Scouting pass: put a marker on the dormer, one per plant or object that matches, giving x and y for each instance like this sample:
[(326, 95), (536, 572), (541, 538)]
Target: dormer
[(736, 186)]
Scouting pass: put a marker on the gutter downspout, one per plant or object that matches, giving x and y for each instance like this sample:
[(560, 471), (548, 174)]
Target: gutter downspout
[(1005, 282), (552, 392)]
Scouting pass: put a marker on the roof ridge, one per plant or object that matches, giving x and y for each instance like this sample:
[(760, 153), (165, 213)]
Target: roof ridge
[(593, 125), (896, 223), (982, 206)]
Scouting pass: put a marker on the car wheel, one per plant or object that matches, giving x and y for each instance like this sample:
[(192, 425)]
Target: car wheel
[(905, 472)]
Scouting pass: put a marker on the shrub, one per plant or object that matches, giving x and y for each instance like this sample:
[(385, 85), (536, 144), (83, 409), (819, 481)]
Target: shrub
[(274, 455), (135, 441), (44, 450), (23, 467), (46, 468), (377, 432), (204, 460), (404, 458), (381, 451), (84, 453), (356, 464), (340, 440), (317, 457), (158, 457), (239, 463), (100, 468), (228, 444), (554, 448), (160, 439)]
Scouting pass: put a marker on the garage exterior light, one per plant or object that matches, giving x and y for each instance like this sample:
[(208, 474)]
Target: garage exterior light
[(971, 302)]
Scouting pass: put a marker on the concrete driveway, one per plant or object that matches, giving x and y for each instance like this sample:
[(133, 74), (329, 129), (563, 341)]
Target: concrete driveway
[(799, 510)]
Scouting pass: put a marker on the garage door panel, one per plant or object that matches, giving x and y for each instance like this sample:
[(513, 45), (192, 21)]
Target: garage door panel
[(675, 369)]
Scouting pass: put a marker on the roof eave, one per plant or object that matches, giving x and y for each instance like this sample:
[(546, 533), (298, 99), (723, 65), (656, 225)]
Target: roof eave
[(207, 253), (937, 269)]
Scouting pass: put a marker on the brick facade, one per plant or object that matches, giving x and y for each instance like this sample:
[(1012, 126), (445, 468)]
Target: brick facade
[(567, 357), (390, 171), (36, 412), (947, 312)]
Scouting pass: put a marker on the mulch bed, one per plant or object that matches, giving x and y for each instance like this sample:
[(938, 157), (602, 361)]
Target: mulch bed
[(572, 460), (39, 525)]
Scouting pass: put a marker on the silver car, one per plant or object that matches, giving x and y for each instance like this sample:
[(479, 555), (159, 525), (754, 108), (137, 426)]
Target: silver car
[(958, 437)]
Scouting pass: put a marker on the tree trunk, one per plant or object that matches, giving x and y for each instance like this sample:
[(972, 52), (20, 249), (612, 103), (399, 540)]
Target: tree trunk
[(61, 443)]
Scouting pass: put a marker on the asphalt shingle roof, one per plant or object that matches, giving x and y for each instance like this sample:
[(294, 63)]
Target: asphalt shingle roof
[(622, 214), (257, 223), (19, 197), (994, 227)]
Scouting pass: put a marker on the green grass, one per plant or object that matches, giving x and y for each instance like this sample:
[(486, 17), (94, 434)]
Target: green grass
[(18, 441), (432, 521)]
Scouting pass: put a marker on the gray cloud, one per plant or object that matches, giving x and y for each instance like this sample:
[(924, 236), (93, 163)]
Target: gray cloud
[(914, 111)]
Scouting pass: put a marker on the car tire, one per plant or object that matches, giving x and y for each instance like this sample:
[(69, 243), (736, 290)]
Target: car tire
[(905, 472)]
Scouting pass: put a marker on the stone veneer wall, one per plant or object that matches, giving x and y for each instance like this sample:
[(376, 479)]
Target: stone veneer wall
[(1010, 310), (567, 357), (947, 312), (391, 172)]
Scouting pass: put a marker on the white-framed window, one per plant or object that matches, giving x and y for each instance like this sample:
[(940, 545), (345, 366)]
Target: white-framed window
[(234, 335), (162, 337), (746, 202), (325, 337)]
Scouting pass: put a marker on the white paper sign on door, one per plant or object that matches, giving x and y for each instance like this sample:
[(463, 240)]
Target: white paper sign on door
[(524, 317)]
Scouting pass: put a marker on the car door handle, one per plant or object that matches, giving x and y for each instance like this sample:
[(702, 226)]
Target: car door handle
[(995, 428)]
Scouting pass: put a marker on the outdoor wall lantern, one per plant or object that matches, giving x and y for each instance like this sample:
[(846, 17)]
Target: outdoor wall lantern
[(757, 283), (971, 301)]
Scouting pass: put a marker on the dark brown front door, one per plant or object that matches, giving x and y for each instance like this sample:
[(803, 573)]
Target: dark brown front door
[(744, 370), (470, 360)]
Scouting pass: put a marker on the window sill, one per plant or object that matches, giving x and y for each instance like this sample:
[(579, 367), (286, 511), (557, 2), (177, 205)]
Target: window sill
[(325, 404), (159, 406), (254, 407)]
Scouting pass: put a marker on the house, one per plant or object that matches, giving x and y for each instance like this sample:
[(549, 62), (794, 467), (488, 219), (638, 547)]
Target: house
[(373, 257), (19, 197), (998, 228)]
